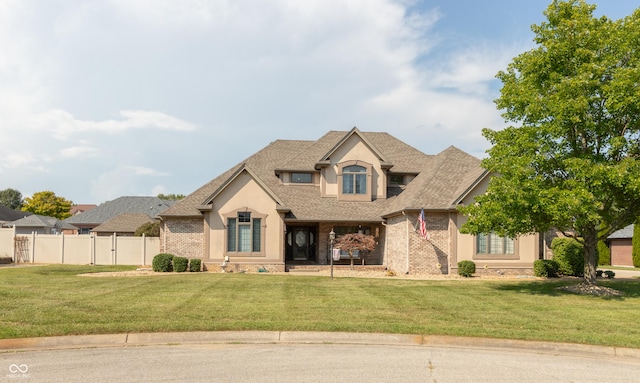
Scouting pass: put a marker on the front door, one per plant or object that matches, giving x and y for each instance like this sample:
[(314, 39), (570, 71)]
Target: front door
[(301, 244)]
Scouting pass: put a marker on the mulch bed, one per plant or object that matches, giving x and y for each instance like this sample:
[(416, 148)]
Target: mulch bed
[(587, 289)]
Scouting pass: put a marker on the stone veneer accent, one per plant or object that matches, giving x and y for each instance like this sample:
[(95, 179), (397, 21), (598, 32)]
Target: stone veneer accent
[(190, 241)]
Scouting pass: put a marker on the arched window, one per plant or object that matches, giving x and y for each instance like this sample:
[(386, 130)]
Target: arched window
[(354, 180)]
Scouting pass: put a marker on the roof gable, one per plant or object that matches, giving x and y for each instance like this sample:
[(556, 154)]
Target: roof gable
[(242, 169), (325, 160)]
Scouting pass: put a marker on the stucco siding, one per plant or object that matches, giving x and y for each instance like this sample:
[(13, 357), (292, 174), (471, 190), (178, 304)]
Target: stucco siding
[(245, 194)]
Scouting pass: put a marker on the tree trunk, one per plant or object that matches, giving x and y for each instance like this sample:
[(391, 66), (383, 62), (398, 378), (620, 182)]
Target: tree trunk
[(590, 255), (351, 259)]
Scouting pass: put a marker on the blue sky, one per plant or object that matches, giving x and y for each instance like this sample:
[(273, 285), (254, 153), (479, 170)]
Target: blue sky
[(100, 99)]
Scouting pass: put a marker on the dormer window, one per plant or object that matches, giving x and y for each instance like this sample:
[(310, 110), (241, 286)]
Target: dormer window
[(354, 180), (396, 180), (301, 178)]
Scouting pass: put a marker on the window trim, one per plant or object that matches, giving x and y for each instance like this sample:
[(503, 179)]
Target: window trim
[(353, 196), (254, 216), (496, 256)]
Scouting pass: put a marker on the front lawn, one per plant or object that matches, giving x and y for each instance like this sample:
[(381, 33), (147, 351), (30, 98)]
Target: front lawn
[(54, 300)]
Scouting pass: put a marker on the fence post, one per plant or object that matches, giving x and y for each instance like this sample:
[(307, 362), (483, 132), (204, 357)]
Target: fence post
[(92, 250), (15, 257), (62, 248), (114, 249), (33, 247), (144, 249)]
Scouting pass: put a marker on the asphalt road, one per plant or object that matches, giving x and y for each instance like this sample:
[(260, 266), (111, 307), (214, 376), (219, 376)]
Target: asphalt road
[(308, 363)]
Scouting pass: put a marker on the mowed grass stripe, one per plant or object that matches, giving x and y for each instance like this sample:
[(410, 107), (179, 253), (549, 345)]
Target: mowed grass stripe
[(54, 300)]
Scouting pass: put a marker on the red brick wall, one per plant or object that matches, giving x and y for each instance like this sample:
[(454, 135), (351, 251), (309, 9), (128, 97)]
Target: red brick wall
[(621, 252)]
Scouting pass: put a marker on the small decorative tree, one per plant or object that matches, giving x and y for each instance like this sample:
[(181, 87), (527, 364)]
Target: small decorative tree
[(355, 242)]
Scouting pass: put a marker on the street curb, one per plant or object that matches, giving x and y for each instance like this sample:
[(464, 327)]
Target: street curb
[(302, 337)]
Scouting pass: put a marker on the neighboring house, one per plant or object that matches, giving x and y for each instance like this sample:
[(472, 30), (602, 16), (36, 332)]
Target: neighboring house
[(9, 215), (124, 224), (39, 224), (87, 221), (277, 208), (77, 209), (621, 247)]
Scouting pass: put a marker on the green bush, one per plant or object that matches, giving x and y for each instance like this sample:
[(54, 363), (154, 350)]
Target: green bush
[(466, 268), (150, 229), (569, 254), (180, 264), (635, 245), (604, 254), (545, 268), (162, 263), (195, 265)]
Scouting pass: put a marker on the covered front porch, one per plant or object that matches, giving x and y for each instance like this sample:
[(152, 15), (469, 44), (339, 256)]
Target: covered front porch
[(309, 244)]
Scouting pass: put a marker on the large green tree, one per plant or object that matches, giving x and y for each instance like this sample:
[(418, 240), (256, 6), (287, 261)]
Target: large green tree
[(47, 203), (11, 198), (571, 159)]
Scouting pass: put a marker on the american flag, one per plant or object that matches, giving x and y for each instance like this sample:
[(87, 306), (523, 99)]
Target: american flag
[(423, 226)]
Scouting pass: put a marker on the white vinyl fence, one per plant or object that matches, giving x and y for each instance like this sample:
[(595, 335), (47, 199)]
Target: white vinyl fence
[(78, 249)]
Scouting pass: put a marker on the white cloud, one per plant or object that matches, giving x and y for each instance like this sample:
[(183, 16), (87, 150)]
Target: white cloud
[(144, 171), (63, 124), (79, 152), (122, 83)]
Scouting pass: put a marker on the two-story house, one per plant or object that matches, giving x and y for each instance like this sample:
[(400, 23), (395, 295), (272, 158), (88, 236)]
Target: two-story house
[(278, 207)]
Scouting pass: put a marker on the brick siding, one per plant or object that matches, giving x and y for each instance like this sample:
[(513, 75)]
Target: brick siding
[(183, 237)]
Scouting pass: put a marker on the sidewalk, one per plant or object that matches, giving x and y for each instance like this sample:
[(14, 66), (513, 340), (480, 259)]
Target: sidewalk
[(286, 337)]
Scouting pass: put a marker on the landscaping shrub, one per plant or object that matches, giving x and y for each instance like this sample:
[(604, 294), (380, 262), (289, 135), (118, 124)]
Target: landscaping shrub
[(545, 268), (569, 254), (604, 254), (180, 264), (466, 268), (635, 245), (195, 265), (162, 263)]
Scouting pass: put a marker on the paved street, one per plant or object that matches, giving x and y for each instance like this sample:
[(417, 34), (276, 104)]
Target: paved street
[(308, 363)]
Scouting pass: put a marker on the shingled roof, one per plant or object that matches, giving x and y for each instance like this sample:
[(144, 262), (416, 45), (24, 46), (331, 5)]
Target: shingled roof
[(123, 223), (8, 214), (151, 206), (40, 221), (439, 182)]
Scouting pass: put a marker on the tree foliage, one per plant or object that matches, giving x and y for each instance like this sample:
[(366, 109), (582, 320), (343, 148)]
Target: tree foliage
[(150, 229), (635, 245), (571, 159), (11, 198), (355, 242), (171, 197), (48, 204)]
